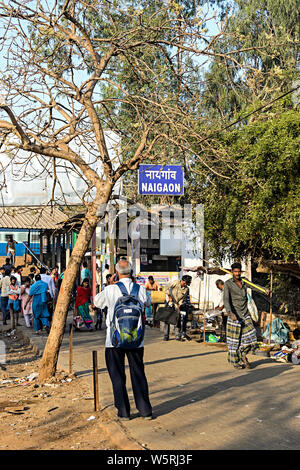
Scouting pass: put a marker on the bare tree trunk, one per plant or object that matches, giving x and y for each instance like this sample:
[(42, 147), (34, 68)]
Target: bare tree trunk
[(51, 352)]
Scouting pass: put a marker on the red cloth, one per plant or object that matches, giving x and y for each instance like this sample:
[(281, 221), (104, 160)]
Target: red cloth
[(83, 295)]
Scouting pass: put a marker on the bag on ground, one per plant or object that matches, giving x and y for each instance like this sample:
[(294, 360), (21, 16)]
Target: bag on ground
[(128, 326)]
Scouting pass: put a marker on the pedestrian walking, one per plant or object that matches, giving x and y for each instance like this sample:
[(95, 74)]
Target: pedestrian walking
[(178, 294), (4, 286), (46, 277), (240, 332), (103, 314), (126, 302), (85, 272), (8, 265), (14, 302), (105, 273), (32, 273), (55, 275), (18, 274), (98, 279), (39, 305), (82, 306), (26, 302)]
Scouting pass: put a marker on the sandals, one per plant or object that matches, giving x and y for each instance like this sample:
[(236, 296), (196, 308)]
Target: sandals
[(247, 363), (239, 366)]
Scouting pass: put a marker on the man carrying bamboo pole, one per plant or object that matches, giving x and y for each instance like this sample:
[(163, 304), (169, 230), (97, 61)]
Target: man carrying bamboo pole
[(240, 332)]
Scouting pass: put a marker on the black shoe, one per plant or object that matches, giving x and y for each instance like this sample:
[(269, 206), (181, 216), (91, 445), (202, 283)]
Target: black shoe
[(4, 323), (179, 339), (166, 338), (149, 417), (123, 418)]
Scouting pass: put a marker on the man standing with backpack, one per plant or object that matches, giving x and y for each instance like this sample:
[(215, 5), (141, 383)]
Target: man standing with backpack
[(126, 302)]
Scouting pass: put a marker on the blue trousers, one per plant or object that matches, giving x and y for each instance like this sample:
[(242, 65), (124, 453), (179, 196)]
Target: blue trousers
[(39, 322), (115, 361)]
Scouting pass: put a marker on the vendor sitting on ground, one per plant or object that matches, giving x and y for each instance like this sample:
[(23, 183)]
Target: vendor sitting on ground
[(296, 347)]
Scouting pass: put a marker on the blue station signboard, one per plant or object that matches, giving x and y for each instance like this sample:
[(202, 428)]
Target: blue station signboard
[(161, 180)]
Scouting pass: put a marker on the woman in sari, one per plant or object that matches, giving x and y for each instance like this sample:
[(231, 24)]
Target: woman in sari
[(26, 302), (82, 313)]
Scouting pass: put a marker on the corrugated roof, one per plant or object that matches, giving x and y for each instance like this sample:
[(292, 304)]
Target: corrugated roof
[(40, 217)]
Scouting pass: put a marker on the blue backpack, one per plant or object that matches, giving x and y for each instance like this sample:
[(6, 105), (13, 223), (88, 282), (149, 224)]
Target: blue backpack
[(127, 326)]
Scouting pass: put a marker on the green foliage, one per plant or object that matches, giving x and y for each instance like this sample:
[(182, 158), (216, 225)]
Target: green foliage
[(266, 33), (257, 210)]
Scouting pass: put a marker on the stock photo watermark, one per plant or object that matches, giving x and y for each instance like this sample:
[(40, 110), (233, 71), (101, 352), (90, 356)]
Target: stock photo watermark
[(140, 222)]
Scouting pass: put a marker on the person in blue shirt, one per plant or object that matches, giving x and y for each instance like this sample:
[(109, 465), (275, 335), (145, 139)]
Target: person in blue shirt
[(85, 272), (39, 305)]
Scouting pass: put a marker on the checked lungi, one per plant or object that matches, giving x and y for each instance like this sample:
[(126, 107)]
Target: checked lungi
[(241, 339)]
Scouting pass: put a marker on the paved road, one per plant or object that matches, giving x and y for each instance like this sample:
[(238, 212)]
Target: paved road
[(198, 400)]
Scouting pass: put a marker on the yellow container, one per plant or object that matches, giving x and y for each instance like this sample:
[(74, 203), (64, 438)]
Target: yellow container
[(158, 297)]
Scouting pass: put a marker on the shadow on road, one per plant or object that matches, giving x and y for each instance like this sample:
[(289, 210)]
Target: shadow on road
[(198, 394), (159, 361)]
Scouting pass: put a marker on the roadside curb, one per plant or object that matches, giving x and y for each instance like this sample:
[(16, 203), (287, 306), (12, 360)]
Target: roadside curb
[(37, 342), (117, 433)]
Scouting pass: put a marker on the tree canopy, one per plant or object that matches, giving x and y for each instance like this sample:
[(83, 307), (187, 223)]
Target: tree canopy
[(257, 212)]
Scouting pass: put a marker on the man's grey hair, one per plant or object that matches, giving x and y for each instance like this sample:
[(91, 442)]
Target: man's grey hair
[(123, 267)]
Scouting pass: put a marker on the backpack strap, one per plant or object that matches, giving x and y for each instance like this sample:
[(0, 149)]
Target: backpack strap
[(135, 290), (122, 288)]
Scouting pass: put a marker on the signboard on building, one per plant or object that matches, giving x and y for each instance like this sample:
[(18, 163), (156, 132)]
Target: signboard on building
[(161, 180)]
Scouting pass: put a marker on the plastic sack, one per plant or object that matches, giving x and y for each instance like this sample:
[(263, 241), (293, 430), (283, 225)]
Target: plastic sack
[(279, 333), (211, 338), (252, 308)]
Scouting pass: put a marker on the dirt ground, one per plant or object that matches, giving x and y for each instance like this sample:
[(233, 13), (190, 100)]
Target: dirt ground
[(57, 415)]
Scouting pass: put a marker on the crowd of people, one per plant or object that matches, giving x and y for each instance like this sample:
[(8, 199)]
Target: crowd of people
[(33, 296)]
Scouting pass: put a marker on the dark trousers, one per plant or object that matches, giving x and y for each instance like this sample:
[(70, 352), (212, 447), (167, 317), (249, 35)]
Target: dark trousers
[(180, 328), (4, 309), (115, 362)]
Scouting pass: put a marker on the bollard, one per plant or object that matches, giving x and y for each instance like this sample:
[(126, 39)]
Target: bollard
[(95, 377), (71, 348)]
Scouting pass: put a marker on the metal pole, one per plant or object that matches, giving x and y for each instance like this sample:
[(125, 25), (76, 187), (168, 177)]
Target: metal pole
[(96, 385), (71, 349), (271, 306)]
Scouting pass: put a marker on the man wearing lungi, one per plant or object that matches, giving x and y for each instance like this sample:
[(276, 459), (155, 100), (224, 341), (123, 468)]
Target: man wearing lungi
[(240, 332)]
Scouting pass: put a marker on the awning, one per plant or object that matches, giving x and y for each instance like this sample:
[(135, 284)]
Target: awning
[(277, 266), (35, 218)]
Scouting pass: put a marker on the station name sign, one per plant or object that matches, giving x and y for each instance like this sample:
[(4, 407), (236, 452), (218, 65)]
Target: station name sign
[(161, 180)]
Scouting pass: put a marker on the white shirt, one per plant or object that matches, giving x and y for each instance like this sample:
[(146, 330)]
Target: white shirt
[(18, 277), (221, 300), (108, 298), (51, 286)]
